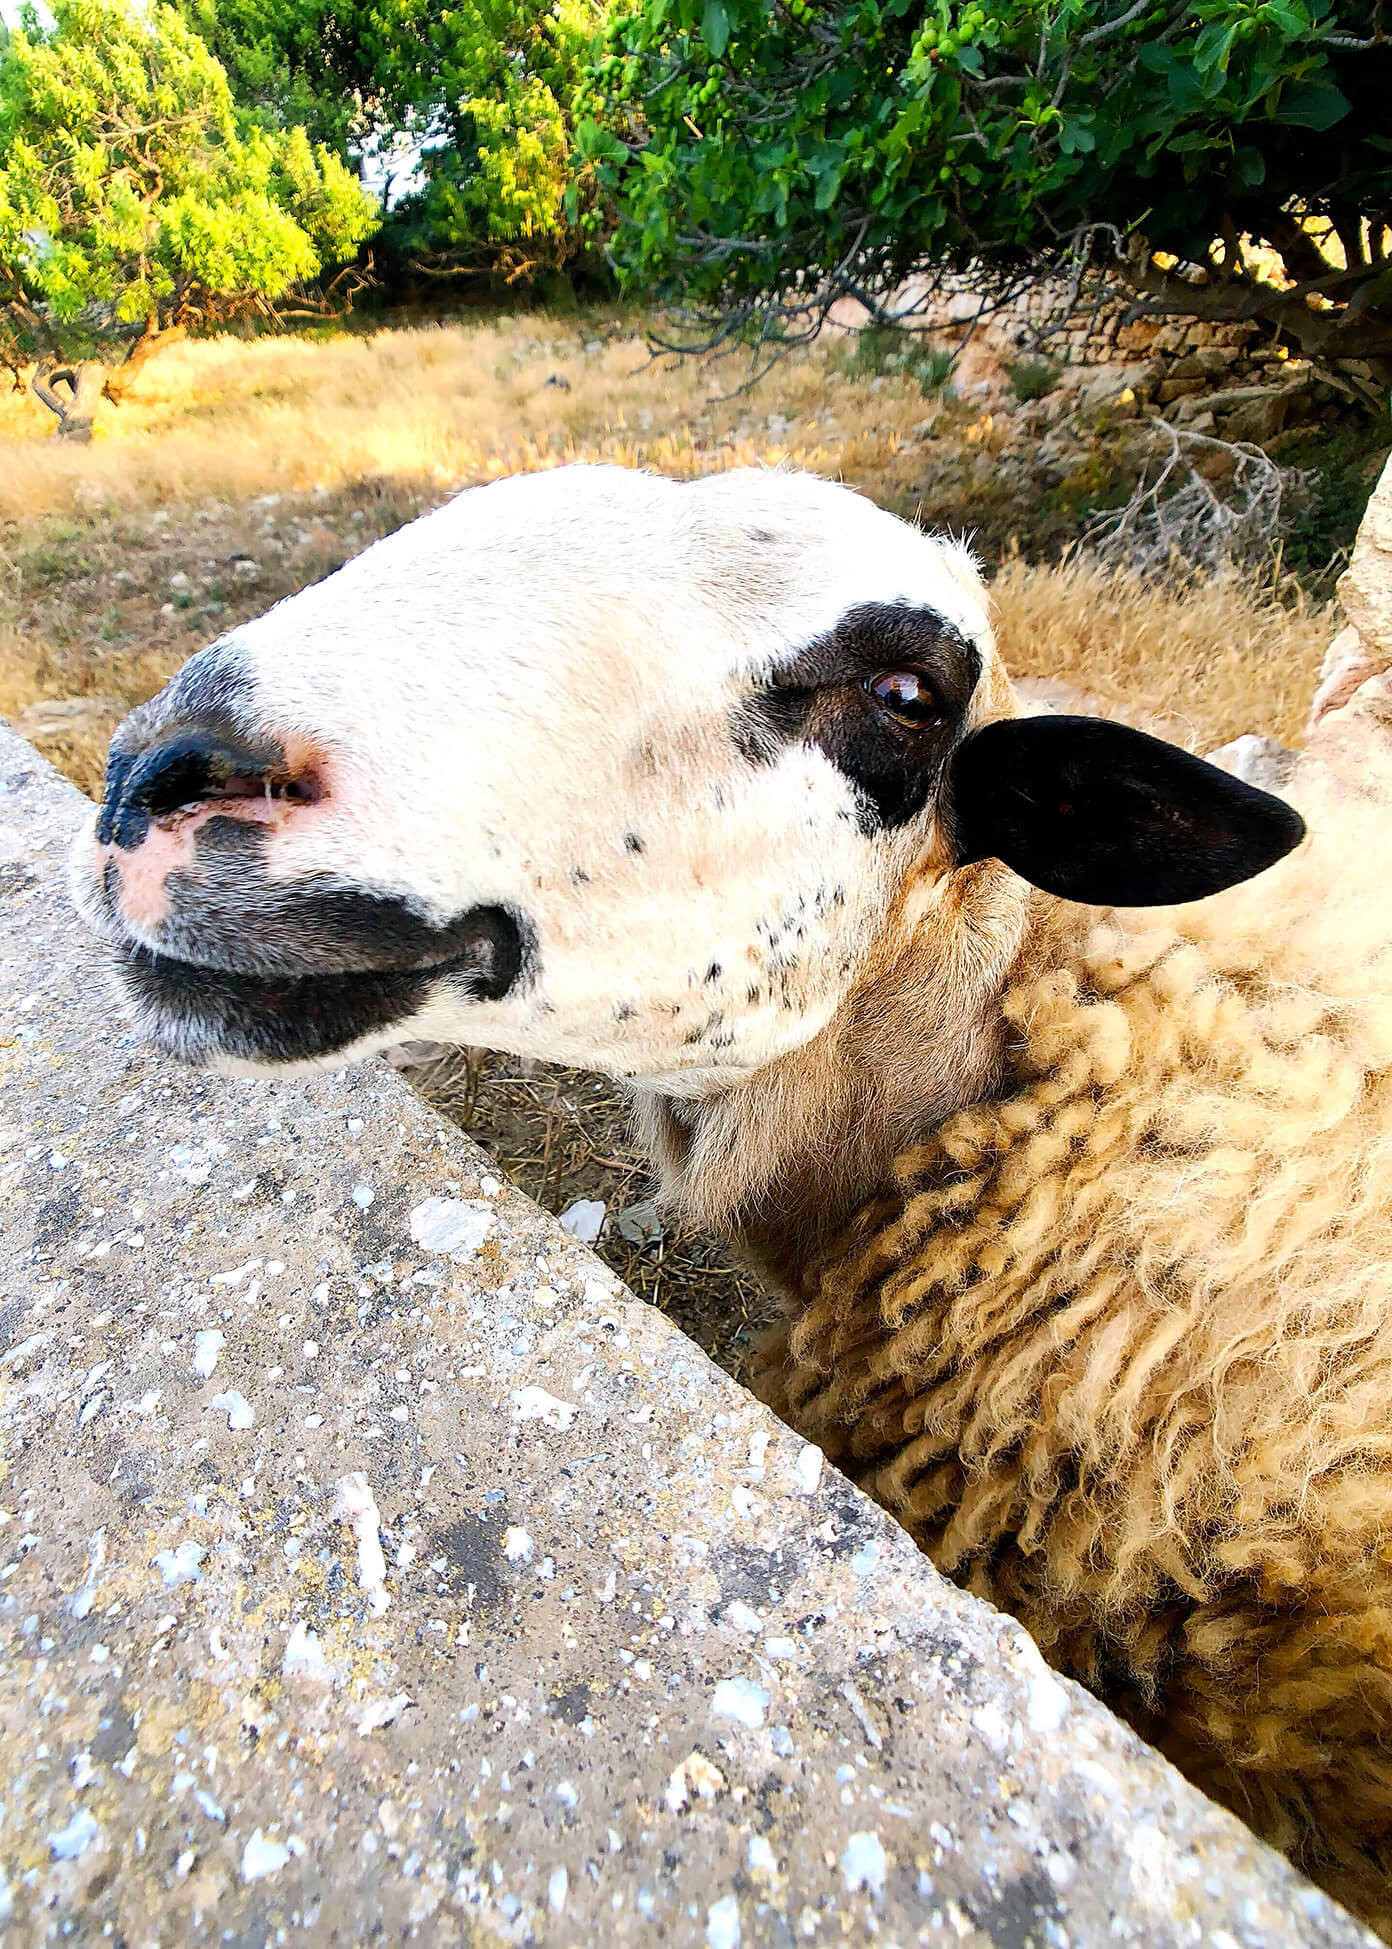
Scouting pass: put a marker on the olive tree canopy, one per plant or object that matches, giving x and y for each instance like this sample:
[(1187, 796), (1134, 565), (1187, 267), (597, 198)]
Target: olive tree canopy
[(1229, 159)]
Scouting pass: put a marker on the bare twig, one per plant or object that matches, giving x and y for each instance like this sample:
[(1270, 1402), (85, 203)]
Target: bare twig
[(1206, 504)]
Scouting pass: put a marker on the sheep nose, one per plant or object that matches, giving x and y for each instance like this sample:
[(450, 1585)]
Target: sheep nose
[(185, 771)]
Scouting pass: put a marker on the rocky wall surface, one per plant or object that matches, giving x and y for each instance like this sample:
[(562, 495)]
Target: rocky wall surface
[(1363, 648), (374, 1568), (1232, 380)]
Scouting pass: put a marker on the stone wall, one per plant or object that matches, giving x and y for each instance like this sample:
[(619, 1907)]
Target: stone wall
[(1173, 362)]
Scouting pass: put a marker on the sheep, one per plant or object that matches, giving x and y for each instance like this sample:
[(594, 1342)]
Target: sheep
[(1045, 1071)]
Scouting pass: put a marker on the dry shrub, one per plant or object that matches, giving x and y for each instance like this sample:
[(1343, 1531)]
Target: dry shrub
[(1204, 660), (1212, 505)]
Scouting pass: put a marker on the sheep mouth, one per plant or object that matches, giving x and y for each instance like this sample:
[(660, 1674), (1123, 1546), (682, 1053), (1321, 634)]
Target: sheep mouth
[(202, 1015)]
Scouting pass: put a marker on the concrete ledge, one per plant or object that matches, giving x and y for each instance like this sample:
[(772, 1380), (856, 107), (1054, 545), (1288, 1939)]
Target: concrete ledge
[(373, 1566)]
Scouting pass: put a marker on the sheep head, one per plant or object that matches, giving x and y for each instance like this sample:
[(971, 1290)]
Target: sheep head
[(616, 771)]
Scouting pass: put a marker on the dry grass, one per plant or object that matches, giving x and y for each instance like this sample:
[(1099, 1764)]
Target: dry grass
[(105, 607), (1203, 662), (353, 435), (237, 473), (441, 407)]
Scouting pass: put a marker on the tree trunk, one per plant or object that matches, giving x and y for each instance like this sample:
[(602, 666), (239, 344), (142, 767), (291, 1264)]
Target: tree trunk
[(1359, 333), (71, 392), (153, 339)]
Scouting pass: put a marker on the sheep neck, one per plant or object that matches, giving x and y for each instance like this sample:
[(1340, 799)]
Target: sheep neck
[(780, 1161)]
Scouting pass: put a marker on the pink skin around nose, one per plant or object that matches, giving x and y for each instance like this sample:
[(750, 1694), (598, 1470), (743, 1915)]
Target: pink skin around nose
[(168, 847)]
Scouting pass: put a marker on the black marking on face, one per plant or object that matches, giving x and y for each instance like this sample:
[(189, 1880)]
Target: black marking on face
[(579, 877), (632, 843), (214, 689), (818, 697), (182, 771), (199, 1013), (226, 912)]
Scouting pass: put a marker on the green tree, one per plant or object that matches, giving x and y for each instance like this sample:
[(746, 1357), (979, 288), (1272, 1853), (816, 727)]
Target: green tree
[(495, 83), (1229, 159), (478, 92), (135, 204), (327, 66)]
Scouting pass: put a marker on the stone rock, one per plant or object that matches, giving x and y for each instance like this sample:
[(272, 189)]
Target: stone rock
[(1348, 664), (411, 1656), (1264, 762), (584, 1219), (1365, 588), (1362, 649), (1169, 389), (1194, 414), (1139, 336), (640, 1223), (1102, 385), (1256, 420), (1207, 363)]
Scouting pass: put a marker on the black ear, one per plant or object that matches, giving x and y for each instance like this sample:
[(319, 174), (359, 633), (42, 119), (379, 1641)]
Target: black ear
[(1093, 811)]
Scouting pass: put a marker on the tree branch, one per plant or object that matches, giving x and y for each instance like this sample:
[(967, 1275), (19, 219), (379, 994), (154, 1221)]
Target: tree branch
[(1111, 27)]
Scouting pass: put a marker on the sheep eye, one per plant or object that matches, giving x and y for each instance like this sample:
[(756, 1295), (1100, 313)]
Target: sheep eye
[(908, 698)]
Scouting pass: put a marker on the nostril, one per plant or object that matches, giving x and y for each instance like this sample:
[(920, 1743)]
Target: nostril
[(263, 785), (188, 771)]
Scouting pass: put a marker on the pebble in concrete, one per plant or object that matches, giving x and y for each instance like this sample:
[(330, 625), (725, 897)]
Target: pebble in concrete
[(499, 1615)]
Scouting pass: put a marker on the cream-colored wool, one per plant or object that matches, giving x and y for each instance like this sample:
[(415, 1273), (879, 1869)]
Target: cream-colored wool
[(1116, 1344)]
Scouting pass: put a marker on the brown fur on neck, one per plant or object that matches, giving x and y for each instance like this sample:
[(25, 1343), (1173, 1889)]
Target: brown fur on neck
[(778, 1161)]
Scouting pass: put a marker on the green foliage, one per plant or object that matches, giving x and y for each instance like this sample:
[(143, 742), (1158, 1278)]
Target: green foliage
[(486, 87), (932, 368), (1032, 378), (1337, 470), (781, 150), (292, 63), (505, 185), (871, 354), (882, 351), (133, 198)]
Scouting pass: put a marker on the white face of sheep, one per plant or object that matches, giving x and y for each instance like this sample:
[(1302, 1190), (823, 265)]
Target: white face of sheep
[(600, 768)]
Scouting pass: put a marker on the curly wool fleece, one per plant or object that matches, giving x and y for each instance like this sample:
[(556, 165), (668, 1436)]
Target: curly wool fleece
[(1117, 1346)]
